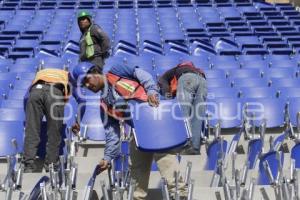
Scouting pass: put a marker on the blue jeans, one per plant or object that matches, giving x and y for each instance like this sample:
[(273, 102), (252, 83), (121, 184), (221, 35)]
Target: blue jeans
[(191, 94)]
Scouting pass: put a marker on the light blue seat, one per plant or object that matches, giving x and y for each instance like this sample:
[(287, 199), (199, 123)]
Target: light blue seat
[(258, 92), (249, 82), (271, 109), (227, 111)]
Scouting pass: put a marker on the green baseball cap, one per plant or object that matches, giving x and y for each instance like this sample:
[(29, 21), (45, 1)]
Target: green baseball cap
[(84, 13)]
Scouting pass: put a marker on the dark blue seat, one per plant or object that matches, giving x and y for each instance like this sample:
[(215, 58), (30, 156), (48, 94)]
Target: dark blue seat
[(294, 108), (213, 153), (274, 166), (36, 191), (279, 141), (9, 131), (254, 150), (157, 130), (295, 154)]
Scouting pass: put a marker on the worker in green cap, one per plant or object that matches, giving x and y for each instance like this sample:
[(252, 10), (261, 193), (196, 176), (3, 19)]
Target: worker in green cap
[(94, 42)]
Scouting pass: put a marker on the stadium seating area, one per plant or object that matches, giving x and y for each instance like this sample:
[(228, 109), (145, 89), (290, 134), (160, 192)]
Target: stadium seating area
[(250, 52)]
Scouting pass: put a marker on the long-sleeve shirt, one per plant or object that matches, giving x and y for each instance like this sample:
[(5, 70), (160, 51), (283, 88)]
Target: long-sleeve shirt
[(100, 40), (111, 97)]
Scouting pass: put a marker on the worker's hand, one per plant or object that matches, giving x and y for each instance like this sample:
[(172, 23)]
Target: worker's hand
[(104, 164), (76, 128), (153, 100)]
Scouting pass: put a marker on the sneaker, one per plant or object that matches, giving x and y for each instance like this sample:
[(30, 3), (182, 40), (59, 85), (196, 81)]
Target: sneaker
[(190, 151)]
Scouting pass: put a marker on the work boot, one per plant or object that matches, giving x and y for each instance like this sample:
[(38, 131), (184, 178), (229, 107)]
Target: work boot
[(30, 167), (190, 151)]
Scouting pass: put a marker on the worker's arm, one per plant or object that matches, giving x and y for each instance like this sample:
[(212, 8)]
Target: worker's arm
[(81, 101), (112, 138), (103, 39), (149, 84)]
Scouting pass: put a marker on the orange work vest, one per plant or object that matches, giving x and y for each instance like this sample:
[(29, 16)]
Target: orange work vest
[(53, 76), (174, 81), (126, 88)]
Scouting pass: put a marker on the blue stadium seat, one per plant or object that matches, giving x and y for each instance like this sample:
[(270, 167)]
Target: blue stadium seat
[(36, 191), (8, 76), (245, 58), (227, 111), (5, 65), (12, 114), (289, 92), (17, 94), (279, 141), (258, 64), (245, 73), (294, 108), (285, 82), (215, 73), (258, 92), (218, 82), (225, 65), (254, 151), (9, 131), (295, 154), (213, 153), (213, 93), (175, 133), (284, 63), (274, 166), (271, 109), (249, 82), (166, 62), (280, 73), (25, 76), (12, 103), (91, 124)]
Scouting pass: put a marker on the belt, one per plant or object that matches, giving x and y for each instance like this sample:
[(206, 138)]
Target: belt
[(56, 85)]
